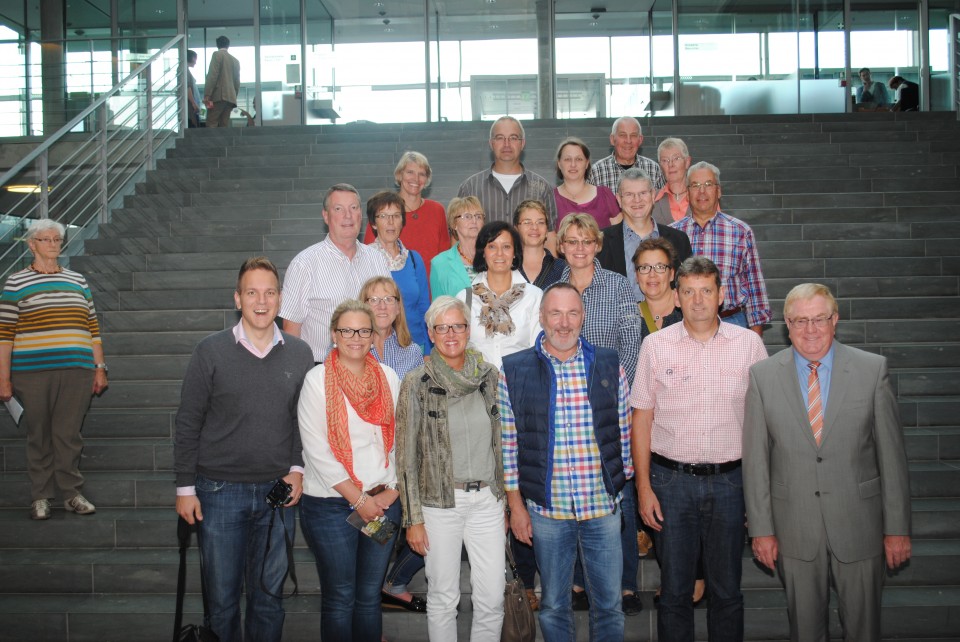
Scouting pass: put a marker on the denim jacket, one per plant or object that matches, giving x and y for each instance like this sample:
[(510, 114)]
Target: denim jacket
[(424, 454)]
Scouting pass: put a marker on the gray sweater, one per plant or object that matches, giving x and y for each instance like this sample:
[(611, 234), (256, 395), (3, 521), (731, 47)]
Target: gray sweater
[(237, 420)]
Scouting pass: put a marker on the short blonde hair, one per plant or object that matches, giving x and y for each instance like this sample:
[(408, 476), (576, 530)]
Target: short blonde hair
[(413, 158), (805, 292), (583, 222), (351, 305), (400, 323), (442, 304), (457, 206)]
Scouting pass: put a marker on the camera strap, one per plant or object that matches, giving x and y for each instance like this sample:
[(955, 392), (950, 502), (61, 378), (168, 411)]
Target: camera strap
[(291, 567)]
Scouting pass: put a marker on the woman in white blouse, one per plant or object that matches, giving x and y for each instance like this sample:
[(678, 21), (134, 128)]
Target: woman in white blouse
[(347, 424), (504, 308)]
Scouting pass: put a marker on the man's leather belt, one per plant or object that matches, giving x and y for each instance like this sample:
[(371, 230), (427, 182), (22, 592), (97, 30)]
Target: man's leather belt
[(471, 485), (697, 470), (376, 490), (729, 313)]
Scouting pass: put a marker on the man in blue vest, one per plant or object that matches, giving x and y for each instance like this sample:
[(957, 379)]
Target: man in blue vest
[(566, 457)]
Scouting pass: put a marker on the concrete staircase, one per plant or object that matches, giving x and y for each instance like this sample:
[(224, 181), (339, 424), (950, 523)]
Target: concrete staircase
[(866, 203)]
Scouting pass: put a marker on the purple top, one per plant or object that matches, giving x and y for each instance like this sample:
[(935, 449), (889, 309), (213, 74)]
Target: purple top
[(603, 207)]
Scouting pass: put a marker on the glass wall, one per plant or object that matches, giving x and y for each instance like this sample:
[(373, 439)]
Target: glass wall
[(345, 61)]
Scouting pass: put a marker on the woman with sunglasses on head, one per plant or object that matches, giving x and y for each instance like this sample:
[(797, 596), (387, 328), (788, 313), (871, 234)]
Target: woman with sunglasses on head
[(451, 475), (347, 422)]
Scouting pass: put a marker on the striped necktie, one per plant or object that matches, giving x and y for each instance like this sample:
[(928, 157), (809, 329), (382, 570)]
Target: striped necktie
[(814, 403)]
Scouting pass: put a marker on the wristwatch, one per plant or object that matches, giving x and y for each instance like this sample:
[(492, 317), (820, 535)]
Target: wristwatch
[(102, 366)]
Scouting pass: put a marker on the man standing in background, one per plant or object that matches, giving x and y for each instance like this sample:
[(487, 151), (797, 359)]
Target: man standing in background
[(220, 88)]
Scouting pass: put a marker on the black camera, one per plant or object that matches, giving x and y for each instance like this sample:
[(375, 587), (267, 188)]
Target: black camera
[(279, 495)]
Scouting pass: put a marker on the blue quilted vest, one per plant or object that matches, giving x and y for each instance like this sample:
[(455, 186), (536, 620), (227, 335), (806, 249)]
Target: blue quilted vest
[(533, 391)]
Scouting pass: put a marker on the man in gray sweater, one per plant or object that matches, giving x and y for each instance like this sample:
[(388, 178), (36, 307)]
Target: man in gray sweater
[(237, 436)]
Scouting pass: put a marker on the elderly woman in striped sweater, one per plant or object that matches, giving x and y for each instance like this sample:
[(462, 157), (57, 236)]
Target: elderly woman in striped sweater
[(51, 357)]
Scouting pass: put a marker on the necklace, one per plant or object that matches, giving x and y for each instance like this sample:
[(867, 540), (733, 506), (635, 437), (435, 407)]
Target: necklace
[(576, 197), (462, 255), (34, 267), (679, 195)]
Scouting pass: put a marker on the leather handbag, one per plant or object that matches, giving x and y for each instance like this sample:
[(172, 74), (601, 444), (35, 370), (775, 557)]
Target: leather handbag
[(519, 623), (189, 632)]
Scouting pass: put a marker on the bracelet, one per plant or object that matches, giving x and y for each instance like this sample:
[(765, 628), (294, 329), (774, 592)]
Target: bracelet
[(360, 501)]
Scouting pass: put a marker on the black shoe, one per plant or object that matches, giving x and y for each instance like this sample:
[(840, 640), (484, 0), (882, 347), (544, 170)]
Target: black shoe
[(416, 604), (580, 601), (632, 604)]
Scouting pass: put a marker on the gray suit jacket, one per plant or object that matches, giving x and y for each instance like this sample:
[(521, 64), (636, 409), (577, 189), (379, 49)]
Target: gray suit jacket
[(855, 483), (223, 78)]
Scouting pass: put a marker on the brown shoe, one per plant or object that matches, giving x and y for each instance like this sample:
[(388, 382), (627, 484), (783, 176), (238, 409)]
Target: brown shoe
[(644, 543), (533, 600)]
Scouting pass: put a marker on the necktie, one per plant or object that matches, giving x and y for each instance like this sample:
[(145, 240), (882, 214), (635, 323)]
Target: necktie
[(814, 403)]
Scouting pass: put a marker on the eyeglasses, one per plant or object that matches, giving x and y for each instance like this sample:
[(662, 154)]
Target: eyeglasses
[(580, 242), (500, 139), (659, 268), (696, 187), (469, 217), (347, 333), (671, 161), (647, 193), (377, 300), (55, 241), (389, 217), (444, 328), (529, 222), (803, 323)]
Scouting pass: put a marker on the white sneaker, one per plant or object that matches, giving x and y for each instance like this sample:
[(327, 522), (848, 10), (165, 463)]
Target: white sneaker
[(40, 509), (80, 505)]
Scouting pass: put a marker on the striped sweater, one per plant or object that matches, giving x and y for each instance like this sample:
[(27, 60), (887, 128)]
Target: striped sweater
[(49, 319)]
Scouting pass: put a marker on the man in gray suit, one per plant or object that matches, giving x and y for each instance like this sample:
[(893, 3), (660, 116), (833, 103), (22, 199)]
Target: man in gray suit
[(221, 85), (825, 472)]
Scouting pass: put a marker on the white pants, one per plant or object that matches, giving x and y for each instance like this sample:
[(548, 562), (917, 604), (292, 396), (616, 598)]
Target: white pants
[(476, 522)]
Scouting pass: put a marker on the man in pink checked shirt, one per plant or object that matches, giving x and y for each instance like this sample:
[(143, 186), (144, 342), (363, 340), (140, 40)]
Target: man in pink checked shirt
[(688, 399)]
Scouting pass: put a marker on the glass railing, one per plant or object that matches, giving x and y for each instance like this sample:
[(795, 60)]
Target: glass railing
[(75, 178)]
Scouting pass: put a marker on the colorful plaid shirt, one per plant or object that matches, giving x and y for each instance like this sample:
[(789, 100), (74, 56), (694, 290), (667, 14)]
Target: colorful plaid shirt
[(576, 479), (729, 243), (607, 171)]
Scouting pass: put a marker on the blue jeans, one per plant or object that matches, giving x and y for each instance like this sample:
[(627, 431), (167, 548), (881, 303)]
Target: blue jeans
[(702, 515), (405, 566), (740, 319), (628, 541), (556, 544), (233, 540), (351, 568)]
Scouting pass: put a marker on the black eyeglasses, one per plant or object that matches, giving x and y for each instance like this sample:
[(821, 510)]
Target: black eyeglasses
[(347, 333)]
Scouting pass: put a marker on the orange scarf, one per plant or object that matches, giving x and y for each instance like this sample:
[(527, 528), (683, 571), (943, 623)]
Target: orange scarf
[(369, 394)]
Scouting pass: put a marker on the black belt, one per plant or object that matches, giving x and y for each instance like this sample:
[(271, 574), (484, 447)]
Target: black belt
[(470, 485), (697, 470), (729, 313), (376, 490)]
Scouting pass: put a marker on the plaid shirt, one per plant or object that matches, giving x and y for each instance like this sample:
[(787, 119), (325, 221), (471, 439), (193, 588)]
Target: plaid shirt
[(697, 391), (576, 483), (607, 171), (729, 243), (401, 360), (610, 315)]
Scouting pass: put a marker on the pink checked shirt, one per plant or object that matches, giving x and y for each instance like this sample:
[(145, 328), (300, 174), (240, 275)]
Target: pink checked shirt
[(697, 391)]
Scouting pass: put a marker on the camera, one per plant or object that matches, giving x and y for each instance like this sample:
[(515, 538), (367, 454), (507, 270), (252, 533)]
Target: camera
[(279, 495)]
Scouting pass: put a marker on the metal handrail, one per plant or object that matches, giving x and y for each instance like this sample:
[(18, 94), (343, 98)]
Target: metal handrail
[(95, 170)]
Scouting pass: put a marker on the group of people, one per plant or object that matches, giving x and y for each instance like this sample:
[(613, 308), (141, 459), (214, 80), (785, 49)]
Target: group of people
[(872, 95), (545, 375)]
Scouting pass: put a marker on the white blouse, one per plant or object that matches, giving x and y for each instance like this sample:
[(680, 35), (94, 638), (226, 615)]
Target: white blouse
[(526, 320), (323, 471)]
